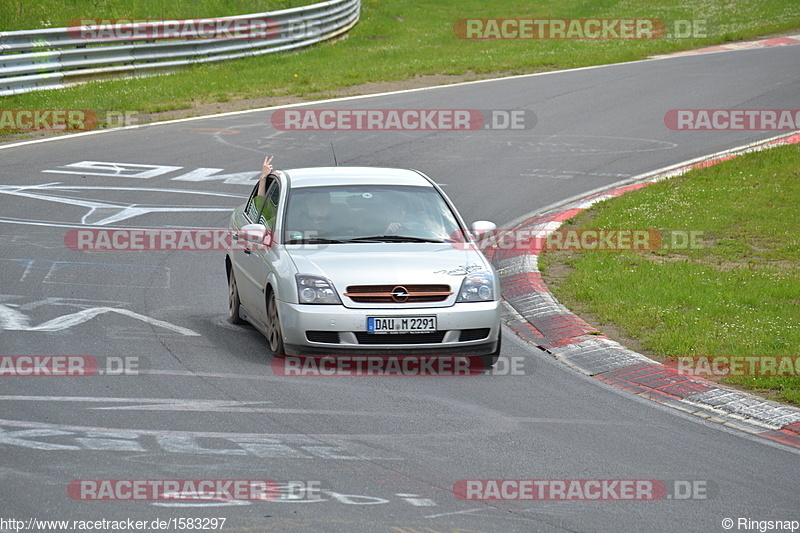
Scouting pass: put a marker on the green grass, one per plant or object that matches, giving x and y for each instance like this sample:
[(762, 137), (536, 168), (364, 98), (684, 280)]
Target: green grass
[(737, 294), (394, 40), (27, 15)]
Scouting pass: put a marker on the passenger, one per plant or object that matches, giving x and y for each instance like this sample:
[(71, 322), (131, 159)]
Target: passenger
[(266, 210), (266, 170)]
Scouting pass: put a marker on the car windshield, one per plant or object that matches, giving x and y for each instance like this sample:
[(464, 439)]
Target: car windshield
[(369, 213)]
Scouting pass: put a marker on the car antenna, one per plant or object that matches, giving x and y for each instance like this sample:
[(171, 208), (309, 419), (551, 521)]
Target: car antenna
[(335, 163)]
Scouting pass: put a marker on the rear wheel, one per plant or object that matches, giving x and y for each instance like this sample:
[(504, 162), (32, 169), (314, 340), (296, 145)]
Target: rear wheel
[(274, 334), (233, 300), (491, 359)]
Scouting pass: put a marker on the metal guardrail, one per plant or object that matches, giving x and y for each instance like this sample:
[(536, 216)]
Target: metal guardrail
[(54, 58)]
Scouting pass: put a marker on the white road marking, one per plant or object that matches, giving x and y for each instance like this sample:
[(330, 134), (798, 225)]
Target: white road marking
[(13, 320), (234, 407), (158, 277), (201, 504), (207, 174), (267, 446), (466, 511), (355, 499), (123, 170), (103, 213), (27, 270), (210, 406), (54, 269), (416, 500), (55, 300), (161, 402), (20, 438), (337, 497)]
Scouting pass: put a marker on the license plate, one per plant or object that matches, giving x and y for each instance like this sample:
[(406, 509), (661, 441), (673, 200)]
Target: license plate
[(401, 324)]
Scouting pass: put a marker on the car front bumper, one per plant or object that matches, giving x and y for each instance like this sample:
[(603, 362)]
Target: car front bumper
[(462, 329)]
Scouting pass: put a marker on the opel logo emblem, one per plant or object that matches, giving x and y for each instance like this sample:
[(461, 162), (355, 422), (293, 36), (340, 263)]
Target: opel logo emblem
[(399, 294)]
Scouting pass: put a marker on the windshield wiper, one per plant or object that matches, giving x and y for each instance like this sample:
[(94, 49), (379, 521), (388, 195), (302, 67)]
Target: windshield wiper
[(392, 238), (314, 240)]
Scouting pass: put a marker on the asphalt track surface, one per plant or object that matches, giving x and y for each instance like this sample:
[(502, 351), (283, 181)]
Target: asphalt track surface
[(384, 453)]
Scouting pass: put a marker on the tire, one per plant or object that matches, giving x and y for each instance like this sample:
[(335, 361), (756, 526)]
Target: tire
[(490, 360), (233, 300), (274, 333)]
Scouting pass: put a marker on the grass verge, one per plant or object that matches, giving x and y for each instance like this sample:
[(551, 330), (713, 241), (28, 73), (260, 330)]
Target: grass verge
[(394, 40), (18, 15), (736, 294)]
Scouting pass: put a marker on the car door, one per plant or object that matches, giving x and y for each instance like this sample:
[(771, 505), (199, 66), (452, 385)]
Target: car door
[(255, 261)]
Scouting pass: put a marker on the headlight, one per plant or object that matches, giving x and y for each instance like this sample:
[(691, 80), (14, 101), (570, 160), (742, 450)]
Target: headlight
[(316, 290), (477, 287)]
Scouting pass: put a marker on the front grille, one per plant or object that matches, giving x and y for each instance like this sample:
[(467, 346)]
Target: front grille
[(398, 293), (399, 338), (473, 334), (330, 337)]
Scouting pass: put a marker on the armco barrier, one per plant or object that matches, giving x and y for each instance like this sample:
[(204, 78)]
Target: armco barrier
[(57, 57)]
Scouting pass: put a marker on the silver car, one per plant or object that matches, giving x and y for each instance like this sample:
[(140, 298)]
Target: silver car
[(361, 260)]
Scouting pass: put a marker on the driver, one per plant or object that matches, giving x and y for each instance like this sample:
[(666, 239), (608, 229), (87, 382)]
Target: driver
[(396, 214), (310, 215)]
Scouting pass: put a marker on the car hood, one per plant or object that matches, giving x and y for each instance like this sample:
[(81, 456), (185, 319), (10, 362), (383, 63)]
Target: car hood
[(388, 263)]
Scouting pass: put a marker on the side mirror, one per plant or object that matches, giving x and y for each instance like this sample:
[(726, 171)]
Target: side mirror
[(256, 233), (479, 227)]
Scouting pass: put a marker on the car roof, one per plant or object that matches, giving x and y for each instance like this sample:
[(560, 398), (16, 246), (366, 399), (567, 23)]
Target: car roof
[(322, 176)]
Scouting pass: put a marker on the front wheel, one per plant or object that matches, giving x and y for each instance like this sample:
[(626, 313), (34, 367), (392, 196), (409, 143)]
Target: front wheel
[(233, 300), (274, 334), (490, 360)]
